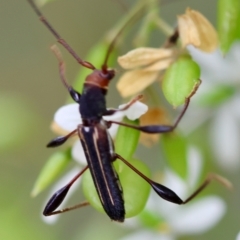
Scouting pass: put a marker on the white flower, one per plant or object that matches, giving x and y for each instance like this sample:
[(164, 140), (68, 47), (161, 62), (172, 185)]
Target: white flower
[(218, 70), (238, 236), (193, 218), (68, 118), (216, 67)]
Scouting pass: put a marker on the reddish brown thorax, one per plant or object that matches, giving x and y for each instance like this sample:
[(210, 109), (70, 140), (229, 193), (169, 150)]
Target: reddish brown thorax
[(100, 79)]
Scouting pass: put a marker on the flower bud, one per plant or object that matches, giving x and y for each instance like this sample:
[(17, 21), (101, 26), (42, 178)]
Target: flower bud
[(195, 29)]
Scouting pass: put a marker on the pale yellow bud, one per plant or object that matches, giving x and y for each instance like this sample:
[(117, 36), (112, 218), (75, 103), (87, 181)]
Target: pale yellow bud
[(195, 29), (133, 82), (144, 56)]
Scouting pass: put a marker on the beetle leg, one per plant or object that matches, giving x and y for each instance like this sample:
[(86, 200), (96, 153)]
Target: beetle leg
[(169, 195), (60, 140), (59, 196), (129, 104)]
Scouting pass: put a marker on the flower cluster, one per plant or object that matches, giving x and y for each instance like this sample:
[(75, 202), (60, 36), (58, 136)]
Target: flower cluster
[(146, 65)]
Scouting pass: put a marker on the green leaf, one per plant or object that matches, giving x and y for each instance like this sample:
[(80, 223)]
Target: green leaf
[(228, 23), (127, 140), (52, 169), (175, 151), (217, 95), (26, 227), (179, 80), (135, 189)]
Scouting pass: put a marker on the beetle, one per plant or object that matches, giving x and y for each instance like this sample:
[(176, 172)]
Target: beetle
[(96, 141)]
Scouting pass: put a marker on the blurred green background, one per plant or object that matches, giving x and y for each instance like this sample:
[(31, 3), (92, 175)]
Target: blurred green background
[(30, 94)]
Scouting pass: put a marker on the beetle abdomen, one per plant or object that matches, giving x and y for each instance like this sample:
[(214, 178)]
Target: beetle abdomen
[(98, 149)]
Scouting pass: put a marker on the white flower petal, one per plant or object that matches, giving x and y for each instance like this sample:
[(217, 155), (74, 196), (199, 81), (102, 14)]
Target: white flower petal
[(198, 217), (194, 120), (159, 206), (232, 60), (234, 106), (152, 202), (78, 153), (211, 64), (215, 66), (135, 111), (238, 236), (225, 139), (68, 117), (118, 116), (174, 182), (145, 235), (194, 160), (62, 182), (113, 130), (131, 223)]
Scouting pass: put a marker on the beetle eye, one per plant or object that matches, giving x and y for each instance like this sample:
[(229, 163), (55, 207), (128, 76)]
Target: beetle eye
[(109, 75)]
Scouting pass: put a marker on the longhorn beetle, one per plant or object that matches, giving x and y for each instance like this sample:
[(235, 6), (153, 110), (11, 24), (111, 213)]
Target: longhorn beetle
[(96, 141)]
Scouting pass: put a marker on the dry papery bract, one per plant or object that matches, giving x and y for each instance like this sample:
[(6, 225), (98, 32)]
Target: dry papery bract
[(196, 30), (144, 56), (147, 64)]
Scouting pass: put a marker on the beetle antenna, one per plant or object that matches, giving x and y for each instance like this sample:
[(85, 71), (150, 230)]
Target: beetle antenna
[(58, 37), (58, 54)]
